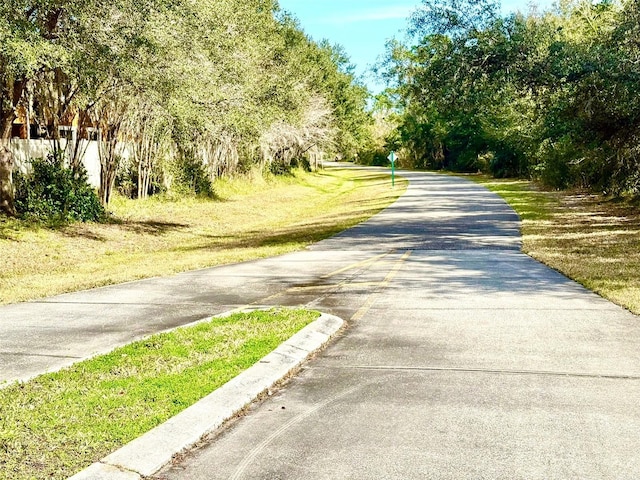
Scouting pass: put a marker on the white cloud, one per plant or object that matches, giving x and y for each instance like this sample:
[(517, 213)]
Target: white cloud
[(373, 15)]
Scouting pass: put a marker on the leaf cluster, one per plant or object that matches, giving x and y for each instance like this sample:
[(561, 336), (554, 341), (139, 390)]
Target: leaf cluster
[(551, 95), (52, 193), (217, 85)]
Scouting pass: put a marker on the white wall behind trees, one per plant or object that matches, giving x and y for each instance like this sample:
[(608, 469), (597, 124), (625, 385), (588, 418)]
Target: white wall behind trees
[(24, 150)]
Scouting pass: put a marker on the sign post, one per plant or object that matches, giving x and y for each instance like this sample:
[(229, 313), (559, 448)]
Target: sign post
[(392, 159)]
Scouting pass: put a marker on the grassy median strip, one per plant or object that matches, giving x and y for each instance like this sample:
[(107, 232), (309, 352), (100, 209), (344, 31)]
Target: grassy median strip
[(251, 218), (591, 239), (57, 424)]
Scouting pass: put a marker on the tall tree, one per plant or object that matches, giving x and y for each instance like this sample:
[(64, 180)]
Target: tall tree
[(552, 94), (210, 81), (29, 44)]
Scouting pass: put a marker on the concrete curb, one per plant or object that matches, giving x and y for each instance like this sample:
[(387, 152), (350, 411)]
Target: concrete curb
[(149, 453)]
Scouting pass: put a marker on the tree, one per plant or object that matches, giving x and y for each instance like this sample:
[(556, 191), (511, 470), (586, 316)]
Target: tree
[(148, 132), (29, 33), (552, 95), (220, 85), (6, 182), (109, 115), (454, 18)]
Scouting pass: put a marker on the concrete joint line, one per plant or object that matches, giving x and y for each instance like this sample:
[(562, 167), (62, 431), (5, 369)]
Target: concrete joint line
[(610, 376), (147, 454), (295, 420)]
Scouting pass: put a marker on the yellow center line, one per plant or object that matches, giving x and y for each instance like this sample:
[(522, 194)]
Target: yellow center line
[(372, 298), (361, 284), (347, 284), (399, 264), (358, 264), (341, 284)]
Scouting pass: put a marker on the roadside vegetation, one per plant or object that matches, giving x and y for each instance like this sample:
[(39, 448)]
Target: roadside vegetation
[(251, 218), (551, 95), (58, 424), (592, 239), (173, 94)]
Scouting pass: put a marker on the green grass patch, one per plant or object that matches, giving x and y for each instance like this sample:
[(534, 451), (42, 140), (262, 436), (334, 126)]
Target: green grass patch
[(591, 239), (250, 218), (58, 424)]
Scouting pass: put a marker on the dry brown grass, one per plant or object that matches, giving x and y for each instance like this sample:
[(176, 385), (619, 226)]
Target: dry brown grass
[(251, 219), (591, 239)]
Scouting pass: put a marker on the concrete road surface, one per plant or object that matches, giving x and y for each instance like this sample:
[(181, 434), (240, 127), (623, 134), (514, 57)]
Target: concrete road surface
[(463, 358), (41, 336)]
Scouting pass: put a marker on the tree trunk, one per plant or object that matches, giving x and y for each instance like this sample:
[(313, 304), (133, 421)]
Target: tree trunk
[(107, 180), (10, 94), (144, 173), (107, 151), (6, 168), (6, 181)]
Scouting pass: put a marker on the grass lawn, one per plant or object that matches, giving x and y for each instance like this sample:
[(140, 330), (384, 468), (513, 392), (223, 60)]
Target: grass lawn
[(591, 239), (252, 218), (58, 424)]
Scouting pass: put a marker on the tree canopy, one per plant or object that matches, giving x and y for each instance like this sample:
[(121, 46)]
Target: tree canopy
[(214, 86), (550, 94)]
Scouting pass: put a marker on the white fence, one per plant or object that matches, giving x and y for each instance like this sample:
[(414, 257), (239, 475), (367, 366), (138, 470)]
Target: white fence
[(24, 150)]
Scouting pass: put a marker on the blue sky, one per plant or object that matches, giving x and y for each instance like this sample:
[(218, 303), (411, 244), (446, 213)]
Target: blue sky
[(362, 27)]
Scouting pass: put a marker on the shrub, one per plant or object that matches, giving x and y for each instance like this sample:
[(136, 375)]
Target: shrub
[(52, 192), (279, 167), (556, 158), (190, 177), (375, 158), (127, 179)]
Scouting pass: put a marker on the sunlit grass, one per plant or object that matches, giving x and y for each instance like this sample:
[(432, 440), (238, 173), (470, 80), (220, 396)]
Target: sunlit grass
[(57, 424), (591, 239), (251, 218)]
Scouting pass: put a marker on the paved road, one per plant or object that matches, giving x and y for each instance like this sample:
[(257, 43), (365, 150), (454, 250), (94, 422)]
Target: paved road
[(463, 359), (42, 336)]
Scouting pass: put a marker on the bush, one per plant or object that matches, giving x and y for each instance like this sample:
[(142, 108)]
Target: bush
[(303, 163), (190, 178), (556, 158), (374, 158), (279, 168), (506, 164), (127, 179), (52, 192)]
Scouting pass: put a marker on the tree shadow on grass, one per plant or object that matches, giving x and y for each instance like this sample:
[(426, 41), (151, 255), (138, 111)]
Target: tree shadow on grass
[(302, 233), (147, 227), (10, 229), (151, 227)]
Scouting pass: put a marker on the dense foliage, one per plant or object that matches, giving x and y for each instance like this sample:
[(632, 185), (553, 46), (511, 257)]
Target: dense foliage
[(51, 192), (219, 85), (553, 95)]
